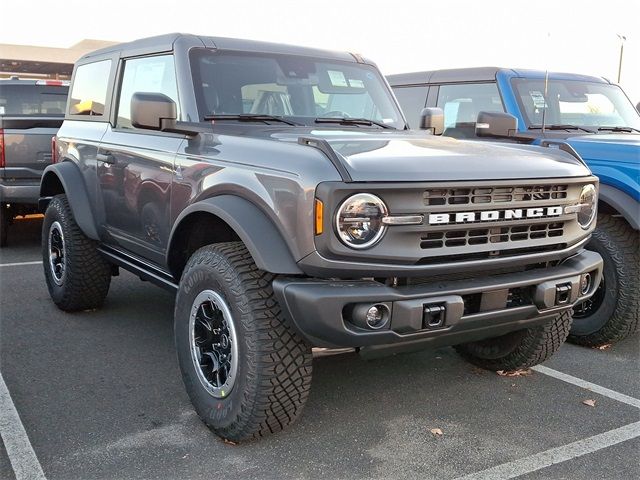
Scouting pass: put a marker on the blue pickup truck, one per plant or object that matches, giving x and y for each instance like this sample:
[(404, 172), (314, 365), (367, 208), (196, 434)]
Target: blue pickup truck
[(578, 113)]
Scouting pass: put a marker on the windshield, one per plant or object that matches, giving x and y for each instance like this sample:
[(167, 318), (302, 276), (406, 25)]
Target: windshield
[(574, 102), (32, 100), (297, 88)]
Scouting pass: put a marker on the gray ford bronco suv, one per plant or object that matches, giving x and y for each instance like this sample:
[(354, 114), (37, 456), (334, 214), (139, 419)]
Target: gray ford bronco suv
[(278, 192)]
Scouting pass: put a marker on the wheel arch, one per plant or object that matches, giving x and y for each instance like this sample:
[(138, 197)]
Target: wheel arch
[(227, 218), (615, 202), (66, 178)]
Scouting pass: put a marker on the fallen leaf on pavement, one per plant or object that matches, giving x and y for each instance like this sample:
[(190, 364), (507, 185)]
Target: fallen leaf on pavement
[(436, 432), (514, 373), (589, 402), (604, 347), (229, 442)]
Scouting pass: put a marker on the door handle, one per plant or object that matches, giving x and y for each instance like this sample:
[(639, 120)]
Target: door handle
[(106, 157)]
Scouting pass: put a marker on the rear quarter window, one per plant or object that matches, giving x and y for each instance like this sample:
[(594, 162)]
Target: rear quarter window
[(89, 90)]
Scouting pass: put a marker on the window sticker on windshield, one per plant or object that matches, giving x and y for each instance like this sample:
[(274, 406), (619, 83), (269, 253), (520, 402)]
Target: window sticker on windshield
[(355, 83), (1, 109), (538, 99), (337, 78)]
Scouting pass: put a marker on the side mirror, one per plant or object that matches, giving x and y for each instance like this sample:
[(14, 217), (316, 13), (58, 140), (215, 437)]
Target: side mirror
[(153, 111), (432, 118), (496, 124)]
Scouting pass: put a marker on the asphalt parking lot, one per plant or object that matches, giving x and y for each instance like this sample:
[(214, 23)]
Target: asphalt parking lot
[(99, 396)]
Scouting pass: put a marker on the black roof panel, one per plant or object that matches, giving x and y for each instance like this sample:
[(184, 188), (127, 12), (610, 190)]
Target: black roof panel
[(163, 43)]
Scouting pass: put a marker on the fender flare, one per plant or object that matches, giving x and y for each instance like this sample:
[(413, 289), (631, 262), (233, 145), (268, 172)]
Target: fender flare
[(623, 203), (261, 237), (69, 175)]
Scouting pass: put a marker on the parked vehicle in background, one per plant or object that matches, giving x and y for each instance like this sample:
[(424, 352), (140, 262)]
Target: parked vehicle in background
[(31, 111), (276, 190), (593, 117)]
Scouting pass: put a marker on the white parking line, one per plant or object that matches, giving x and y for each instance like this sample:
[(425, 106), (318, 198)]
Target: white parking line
[(16, 442), (573, 450), (605, 392), (557, 455), (20, 264)]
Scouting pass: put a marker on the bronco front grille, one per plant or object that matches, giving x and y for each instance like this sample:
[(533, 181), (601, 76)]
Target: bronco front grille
[(501, 194), (481, 236)]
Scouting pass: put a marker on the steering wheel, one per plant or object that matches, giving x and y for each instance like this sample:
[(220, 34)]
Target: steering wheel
[(336, 114)]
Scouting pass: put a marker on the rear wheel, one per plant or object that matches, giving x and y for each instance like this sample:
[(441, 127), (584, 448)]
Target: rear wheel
[(77, 276), (246, 371), (612, 313), (520, 349)]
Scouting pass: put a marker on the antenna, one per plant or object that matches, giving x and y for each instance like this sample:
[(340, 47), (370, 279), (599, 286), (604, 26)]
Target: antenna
[(546, 86), (546, 89)]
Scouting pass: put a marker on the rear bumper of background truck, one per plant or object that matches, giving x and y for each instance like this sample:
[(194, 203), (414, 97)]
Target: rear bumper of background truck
[(23, 191), (328, 313)]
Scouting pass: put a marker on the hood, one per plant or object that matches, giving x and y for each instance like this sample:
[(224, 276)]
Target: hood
[(405, 156), (616, 147)]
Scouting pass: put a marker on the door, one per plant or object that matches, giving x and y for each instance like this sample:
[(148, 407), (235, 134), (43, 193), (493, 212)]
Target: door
[(135, 166)]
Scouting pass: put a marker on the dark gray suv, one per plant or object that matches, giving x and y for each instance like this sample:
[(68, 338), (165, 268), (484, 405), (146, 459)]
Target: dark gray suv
[(278, 192), (31, 111)]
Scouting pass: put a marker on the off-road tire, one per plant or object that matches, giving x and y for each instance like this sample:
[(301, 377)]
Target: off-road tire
[(4, 224), (520, 349), (617, 314), (87, 274), (274, 364)]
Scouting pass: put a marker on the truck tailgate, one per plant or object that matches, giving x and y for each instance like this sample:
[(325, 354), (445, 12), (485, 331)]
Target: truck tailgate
[(27, 145)]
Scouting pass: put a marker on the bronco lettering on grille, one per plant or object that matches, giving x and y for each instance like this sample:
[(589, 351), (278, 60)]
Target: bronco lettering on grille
[(494, 215)]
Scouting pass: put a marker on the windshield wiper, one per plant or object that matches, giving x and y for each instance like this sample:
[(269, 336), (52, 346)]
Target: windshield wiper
[(618, 129), (251, 117), (561, 127), (353, 121)]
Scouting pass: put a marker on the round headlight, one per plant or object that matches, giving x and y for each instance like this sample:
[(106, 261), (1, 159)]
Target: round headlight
[(359, 220), (588, 203)]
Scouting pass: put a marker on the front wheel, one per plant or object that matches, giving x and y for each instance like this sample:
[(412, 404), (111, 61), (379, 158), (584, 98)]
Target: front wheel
[(612, 313), (246, 371), (520, 349)]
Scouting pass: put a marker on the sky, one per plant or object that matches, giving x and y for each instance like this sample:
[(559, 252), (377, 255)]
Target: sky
[(400, 36)]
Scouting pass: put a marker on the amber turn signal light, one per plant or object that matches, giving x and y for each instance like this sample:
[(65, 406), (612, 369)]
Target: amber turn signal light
[(319, 216)]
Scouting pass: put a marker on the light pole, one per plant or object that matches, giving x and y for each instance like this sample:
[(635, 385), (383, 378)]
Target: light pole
[(622, 40)]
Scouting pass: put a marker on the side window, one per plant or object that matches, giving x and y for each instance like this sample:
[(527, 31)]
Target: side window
[(412, 100), (148, 75), (462, 103), (89, 92)]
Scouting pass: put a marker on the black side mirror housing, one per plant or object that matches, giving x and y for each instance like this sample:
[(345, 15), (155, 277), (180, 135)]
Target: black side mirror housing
[(496, 124), (432, 118), (152, 111), (156, 111)]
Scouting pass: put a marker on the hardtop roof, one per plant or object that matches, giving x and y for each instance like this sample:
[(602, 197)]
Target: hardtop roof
[(167, 41), (481, 74)]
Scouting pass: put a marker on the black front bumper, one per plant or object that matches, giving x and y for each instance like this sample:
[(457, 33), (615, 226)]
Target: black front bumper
[(473, 309)]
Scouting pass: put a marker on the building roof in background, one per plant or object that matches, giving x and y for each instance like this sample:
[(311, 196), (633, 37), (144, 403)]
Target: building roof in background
[(37, 61)]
